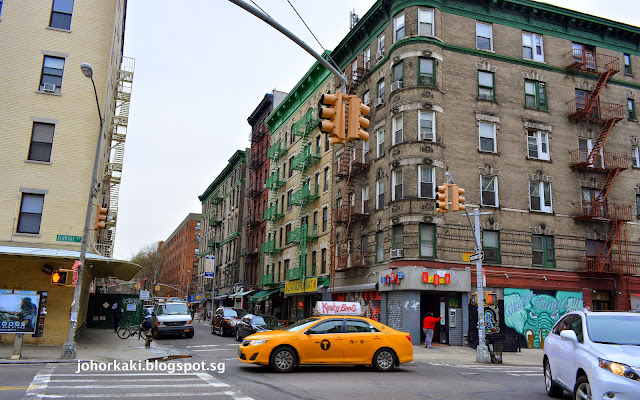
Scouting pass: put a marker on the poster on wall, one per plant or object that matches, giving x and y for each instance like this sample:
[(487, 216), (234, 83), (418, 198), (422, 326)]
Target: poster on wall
[(533, 315), (19, 312), (209, 266), (369, 302)]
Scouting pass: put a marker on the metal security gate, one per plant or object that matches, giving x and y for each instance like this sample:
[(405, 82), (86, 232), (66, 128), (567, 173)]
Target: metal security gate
[(394, 311)]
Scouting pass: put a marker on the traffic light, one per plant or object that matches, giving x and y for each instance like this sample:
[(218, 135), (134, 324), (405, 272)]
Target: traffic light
[(356, 120), (490, 298), (332, 115), (101, 217), (457, 201), (60, 277), (442, 197), (474, 298)]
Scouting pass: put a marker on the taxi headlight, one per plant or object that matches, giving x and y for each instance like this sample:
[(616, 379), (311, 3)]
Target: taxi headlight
[(257, 342), (619, 369)]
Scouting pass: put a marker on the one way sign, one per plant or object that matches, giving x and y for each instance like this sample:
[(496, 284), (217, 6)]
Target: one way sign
[(477, 256)]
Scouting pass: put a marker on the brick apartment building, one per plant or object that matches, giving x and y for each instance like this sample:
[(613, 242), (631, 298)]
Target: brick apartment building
[(529, 107), (180, 254)]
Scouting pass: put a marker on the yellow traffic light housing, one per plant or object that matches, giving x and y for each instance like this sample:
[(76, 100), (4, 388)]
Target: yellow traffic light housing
[(60, 277), (442, 197), (356, 120), (474, 298), (332, 116), (457, 201), (101, 217), (490, 298)]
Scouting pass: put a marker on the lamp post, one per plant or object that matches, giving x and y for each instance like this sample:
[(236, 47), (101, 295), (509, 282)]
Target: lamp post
[(188, 282), (69, 347)]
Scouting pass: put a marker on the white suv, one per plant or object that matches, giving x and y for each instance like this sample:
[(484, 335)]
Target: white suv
[(594, 355)]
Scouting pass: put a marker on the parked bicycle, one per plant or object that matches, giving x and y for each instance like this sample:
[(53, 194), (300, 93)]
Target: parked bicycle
[(140, 330)]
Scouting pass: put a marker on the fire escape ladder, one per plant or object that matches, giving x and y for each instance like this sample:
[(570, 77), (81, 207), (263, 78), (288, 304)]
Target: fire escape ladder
[(595, 93), (601, 200), (599, 142), (356, 75)]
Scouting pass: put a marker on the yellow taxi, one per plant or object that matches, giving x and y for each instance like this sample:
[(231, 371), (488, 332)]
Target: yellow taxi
[(336, 338)]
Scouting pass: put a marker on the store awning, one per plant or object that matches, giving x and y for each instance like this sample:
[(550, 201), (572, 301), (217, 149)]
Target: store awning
[(260, 296), (239, 295), (365, 287), (221, 297)]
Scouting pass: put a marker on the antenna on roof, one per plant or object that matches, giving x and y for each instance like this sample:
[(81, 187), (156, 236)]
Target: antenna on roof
[(353, 19)]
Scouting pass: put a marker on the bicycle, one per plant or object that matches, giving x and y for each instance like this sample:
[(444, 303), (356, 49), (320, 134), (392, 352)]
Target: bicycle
[(140, 330)]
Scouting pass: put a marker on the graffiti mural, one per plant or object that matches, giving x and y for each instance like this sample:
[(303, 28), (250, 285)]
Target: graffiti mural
[(492, 319), (369, 302), (533, 315)]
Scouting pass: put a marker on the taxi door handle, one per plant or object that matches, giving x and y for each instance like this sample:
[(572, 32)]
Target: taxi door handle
[(339, 338), (377, 337)]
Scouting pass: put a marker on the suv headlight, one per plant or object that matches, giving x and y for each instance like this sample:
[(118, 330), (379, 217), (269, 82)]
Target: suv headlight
[(618, 369), (257, 342)]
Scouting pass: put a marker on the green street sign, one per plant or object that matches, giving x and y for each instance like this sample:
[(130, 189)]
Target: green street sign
[(69, 238)]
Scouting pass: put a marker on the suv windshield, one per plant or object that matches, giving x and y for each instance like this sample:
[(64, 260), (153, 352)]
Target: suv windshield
[(230, 312), (173, 309), (301, 325), (614, 329)]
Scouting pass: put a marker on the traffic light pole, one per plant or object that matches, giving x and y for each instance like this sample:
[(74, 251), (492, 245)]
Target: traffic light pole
[(482, 351), (287, 33)]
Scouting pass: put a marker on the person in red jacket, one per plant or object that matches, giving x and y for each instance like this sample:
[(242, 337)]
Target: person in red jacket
[(427, 326)]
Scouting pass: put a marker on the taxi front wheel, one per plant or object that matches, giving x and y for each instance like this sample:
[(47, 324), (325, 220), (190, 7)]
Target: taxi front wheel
[(282, 359), (384, 360)]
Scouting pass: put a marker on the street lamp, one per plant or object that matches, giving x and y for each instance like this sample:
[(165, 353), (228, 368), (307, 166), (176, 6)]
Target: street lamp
[(188, 282), (69, 347)]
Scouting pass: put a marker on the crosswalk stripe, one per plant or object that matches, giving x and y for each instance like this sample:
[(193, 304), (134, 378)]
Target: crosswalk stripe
[(141, 385)]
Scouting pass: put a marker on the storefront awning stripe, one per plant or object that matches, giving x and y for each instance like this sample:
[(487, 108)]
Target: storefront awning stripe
[(239, 295), (260, 296)]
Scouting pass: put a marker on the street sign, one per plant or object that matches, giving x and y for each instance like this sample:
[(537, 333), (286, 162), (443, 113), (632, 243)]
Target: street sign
[(69, 238), (144, 295), (477, 256)]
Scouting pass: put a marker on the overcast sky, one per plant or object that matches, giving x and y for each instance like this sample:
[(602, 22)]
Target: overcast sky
[(202, 67)]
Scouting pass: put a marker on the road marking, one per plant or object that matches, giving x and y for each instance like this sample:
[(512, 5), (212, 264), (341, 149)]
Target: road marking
[(39, 383), (212, 350), (182, 379), (141, 385), (163, 395), (13, 387), (213, 345)]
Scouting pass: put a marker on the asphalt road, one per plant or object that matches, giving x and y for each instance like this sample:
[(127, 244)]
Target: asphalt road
[(212, 370)]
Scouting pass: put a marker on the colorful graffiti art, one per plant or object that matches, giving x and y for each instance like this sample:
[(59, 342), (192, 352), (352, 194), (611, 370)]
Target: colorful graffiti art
[(369, 301), (492, 319), (533, 315)]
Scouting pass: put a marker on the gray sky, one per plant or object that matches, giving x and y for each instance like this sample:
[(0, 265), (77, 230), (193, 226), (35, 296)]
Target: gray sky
[(201, 68)]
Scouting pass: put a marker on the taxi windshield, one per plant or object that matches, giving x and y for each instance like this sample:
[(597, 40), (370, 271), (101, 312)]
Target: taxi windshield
[(301, 325)]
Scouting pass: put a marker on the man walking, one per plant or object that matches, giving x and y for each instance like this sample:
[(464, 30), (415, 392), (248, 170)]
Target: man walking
[(427, 326)]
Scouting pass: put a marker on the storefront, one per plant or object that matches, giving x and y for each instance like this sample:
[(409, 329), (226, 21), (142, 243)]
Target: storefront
[(301, 296), (366, 294), (409, 292), (265, 302)]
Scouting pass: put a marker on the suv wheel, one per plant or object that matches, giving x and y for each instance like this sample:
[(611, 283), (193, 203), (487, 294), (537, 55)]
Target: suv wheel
[(582, 390), (553, 390)]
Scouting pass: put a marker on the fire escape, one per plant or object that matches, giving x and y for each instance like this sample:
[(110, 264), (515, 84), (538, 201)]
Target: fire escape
[(588, 107), (116, 128), (352, 208)]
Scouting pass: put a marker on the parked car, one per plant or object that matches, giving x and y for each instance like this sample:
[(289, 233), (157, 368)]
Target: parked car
[(594, 355), (171, 316), (253, 323), (225, 319)]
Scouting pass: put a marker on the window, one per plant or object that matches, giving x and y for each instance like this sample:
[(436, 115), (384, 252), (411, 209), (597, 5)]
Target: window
[(591, 200), (41, 142), (380, 89), (51, 79), (425, 21), (535, 95), (326, 179), (487, 137), (313, 263), (425, 182), (323, 261), (366, 55), (379, 194), (61, 14), (532, 46), (426, 120), (292, 137), (287, 234), (586, 147), (484, 36), (398, 27), (427, 237), (638, 206), (289, 205), (380, 53), (325, 218), (379, 246), (627, 62), (280, 241), (489, 191), (540, 196), (396, 177), (584, 55), (380, 143), (197, 238), (635, 156), (358, 326), (397, 130), (326, 143), (365, 152), (291, 166), (30, 213), (631, 107), (398, 71), (0, 7), (538, 145), (366, 98), (398, 237), (485, 85), (425, 73), (491, 246), (331, 326), (196, 251), (543, 253), (365, 200)]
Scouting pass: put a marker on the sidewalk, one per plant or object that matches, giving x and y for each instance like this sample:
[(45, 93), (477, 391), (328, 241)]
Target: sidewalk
[(94, 344), (458, 355)]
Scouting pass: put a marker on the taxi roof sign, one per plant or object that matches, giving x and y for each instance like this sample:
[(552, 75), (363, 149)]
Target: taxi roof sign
[(337, 308)]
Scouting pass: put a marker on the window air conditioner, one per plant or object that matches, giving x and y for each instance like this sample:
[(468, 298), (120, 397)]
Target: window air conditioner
[(379, 54), (396, 253), (49, 87), (379, 102), (396, 85)]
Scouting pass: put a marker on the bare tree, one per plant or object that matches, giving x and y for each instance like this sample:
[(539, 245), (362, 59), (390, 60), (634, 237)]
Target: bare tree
[(151, 260)]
